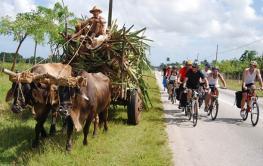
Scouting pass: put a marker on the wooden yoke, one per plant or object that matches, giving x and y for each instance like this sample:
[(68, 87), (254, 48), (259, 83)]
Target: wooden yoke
[(27, 77)]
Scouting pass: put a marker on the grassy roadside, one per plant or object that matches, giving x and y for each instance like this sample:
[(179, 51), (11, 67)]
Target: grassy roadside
[(145, 144), (236, 86)]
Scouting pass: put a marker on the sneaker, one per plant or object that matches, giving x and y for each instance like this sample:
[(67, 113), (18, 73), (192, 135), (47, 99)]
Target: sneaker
[(206, 109)]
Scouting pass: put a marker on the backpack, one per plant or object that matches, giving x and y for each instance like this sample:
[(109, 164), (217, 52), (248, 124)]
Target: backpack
[(183, 99), (238, 98), (177, 91)]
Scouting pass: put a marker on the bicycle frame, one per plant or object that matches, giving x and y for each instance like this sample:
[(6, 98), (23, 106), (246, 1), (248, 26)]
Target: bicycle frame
[(214, 95), (213, 104), (191, 107), (251, 98), (251, 101)]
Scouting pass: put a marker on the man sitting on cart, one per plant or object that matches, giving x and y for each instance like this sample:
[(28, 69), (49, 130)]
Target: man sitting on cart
[(93, 28)]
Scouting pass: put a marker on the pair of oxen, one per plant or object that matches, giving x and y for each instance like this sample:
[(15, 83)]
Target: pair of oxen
[(79, 105)]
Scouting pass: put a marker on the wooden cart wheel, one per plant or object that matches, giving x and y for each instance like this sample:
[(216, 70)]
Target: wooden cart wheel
[(134, 107)]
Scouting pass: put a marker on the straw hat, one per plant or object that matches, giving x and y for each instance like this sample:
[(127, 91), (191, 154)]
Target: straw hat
[(95, 8)]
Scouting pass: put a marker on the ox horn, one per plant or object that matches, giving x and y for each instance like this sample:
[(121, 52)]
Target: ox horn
[(9, 72)]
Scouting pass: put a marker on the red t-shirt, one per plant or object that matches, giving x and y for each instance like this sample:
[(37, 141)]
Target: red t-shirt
[(183, 72)]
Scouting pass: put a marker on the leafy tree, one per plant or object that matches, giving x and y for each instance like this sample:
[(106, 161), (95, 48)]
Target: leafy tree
[(18, 28), (34, 59), (59, 20), (8, 57), (37, 29), (248, 56)]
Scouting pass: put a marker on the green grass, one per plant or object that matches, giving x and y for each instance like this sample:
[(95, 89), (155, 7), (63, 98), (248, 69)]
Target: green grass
[(19, 66), (144, 144), (236, 86)]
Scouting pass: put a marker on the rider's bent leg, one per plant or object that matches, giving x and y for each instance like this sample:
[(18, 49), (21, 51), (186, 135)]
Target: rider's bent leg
[(243, 101), (207, 100), (216, 92), (180, 94), (189, 95)]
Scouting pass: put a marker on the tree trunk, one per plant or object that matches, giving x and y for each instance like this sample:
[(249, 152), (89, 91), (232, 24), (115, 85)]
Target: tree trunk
[(16, 53), (35, 52)]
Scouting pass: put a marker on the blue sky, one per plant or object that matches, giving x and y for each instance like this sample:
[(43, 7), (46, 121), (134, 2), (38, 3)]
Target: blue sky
[(180, 29)]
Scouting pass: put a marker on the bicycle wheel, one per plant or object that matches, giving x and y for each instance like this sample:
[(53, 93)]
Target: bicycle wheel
[(208, 111), (254, 113), (244, 115), (172, 99), (195, 113), (214, 109), (200, 101), (188, 112), (185, 111), (174, 95)]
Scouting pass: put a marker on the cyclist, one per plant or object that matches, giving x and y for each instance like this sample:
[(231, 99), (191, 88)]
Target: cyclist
[(203, 92), (248, 81), (168, 71), (192, 80), (164, 78), (207, 70), (181, 77), (164, 70), (172, 81), (213, 78)]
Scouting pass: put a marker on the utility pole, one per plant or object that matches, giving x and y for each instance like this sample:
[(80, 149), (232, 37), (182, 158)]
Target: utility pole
[(3, 58), (216, 52), (197, 57), (110, 13)]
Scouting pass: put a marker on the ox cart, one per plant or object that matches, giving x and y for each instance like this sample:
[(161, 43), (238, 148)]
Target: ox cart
[(121, 56)]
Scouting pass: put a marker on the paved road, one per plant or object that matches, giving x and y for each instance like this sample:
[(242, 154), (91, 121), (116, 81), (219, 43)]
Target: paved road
[(227, 141)]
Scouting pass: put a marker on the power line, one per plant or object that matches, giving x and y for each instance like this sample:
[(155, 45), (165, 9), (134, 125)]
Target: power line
[(239, 47), (236, 48)]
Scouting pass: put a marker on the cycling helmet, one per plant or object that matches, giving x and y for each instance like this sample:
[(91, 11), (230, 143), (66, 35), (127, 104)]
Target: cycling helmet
[(189, 62), (195, 65), (208, 65)]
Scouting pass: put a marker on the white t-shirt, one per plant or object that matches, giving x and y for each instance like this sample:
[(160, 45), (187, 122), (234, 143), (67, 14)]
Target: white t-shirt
[(206, 73), (173, 78), (213, 81)]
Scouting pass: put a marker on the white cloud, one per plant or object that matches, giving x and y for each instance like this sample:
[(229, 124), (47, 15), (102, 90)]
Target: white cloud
[(180, 28), (12, 7)]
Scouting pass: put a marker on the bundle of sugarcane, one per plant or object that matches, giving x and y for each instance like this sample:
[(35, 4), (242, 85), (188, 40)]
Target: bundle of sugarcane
[(122, 57)]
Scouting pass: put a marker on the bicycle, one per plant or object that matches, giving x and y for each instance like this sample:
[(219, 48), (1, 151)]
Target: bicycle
[(192, 107), (171, 92), (214, 105), (252, 108)]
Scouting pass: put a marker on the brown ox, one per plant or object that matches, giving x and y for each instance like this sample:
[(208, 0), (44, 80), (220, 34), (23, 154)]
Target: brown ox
[(85, 103), (41, 97)]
